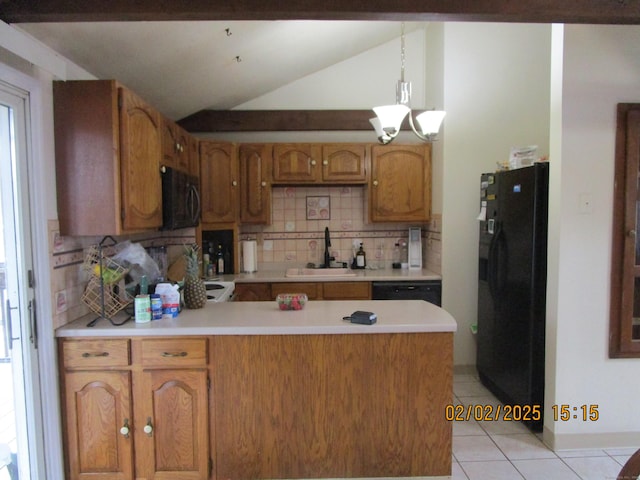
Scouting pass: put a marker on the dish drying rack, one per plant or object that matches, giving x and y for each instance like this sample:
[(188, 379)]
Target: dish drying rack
[(105, 293)]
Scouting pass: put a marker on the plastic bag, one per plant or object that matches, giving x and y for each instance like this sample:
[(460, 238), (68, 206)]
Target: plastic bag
[(134, 257)]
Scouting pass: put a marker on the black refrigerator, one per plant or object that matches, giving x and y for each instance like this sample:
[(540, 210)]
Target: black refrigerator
[(512, 287)]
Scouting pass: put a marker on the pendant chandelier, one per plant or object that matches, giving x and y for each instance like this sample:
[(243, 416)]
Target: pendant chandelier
[(389, 118)]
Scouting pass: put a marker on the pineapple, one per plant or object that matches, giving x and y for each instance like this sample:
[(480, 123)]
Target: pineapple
[(195, 293)]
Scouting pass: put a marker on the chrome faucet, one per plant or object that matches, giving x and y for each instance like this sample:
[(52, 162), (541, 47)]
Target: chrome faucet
[(327, 243)]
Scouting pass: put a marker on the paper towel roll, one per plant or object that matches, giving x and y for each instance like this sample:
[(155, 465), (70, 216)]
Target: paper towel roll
[(249, 256)]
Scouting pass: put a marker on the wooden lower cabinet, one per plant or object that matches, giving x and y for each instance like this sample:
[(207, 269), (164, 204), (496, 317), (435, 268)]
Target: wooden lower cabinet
[(252, 292), (174, 408), (147, 420), (278, 406), (255, 292), (346, 290), (98, 405), (332, 406), (312, 289)]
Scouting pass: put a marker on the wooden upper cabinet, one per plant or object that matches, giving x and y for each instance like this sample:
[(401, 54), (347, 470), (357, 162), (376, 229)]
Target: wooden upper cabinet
[(175, 146), (320, 163), (194, 156), (344, 163), (219, 189), (140, 140), (296, 163), (400, 186), (255, 183), (108, 150)]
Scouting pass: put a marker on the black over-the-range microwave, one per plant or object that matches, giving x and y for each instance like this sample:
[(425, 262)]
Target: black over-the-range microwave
[(180, 199)]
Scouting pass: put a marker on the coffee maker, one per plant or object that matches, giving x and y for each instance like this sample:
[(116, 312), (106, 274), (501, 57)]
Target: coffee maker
[(415, 248)]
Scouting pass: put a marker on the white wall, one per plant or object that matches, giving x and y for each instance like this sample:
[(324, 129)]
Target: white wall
[(496, 91), (434, 98), (601, 68)]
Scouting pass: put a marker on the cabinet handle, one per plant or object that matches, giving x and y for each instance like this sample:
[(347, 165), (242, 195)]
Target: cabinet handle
[(168, 354), (234, 183), (631, 233), (325, 162), (375, 183), (93, 355), (124, 430), (148, 428), (263, 184), (163, 169), (313, 163)]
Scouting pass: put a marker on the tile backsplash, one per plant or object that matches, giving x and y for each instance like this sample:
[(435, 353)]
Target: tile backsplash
[(296, 237), (68, 279), (300, 215)]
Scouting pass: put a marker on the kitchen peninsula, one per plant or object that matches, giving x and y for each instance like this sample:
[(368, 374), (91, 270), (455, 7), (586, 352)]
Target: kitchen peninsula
[(246, 391)]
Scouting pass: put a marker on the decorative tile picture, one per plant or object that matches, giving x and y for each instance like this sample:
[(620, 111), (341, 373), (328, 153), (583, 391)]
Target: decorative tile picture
[(319, 208)]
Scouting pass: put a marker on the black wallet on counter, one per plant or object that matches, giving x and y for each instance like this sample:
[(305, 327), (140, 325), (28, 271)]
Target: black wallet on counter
[(364, 318)]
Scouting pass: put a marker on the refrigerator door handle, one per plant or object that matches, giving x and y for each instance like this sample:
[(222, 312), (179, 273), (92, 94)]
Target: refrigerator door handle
[(502, 264), (497, 263), (491, 267)]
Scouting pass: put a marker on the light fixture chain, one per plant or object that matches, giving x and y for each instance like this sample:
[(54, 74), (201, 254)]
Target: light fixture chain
[(402, 52)]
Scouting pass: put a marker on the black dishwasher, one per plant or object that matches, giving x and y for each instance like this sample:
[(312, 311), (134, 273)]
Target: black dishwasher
[(428, 290)]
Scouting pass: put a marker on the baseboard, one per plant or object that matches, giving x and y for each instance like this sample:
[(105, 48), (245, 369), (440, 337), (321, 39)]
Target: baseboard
[(582, 441), (465, 370)]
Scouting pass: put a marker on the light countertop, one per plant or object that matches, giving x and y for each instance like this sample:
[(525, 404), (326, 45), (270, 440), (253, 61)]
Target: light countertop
[(264, 318), (367, 275)]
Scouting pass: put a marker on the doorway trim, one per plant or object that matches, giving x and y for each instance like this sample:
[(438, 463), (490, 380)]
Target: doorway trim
[(40, 171)]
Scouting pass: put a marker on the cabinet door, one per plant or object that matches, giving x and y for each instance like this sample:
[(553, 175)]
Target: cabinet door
[(252, 292), (98, 405), (344, 163), (175, 146), (296, 163), (173, 408), (140, 153), (400, 183), (255, 183), (194, 156), (219, 182), (346, 290), (312, 289)]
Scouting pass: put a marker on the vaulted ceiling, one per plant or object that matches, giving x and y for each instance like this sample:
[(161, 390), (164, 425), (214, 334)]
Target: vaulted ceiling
[(182, 67)]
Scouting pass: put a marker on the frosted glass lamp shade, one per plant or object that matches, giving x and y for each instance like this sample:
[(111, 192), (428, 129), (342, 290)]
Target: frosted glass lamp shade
[(375, 122), (430, 121), (391, 117)]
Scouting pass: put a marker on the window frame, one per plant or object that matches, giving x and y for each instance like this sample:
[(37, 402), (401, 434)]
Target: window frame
[(624, 233)]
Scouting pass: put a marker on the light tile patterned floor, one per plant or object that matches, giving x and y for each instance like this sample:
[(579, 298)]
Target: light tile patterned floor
[(509, 451)]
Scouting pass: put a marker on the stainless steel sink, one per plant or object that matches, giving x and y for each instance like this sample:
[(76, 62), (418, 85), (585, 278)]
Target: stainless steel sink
[(319, 272)]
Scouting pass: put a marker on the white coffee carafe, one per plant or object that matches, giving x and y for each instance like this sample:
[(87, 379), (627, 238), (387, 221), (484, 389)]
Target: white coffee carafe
[(415, 248)]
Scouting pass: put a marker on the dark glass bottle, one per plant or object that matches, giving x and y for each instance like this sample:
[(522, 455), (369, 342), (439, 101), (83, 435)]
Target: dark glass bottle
[(361, 258), (220, 264)]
